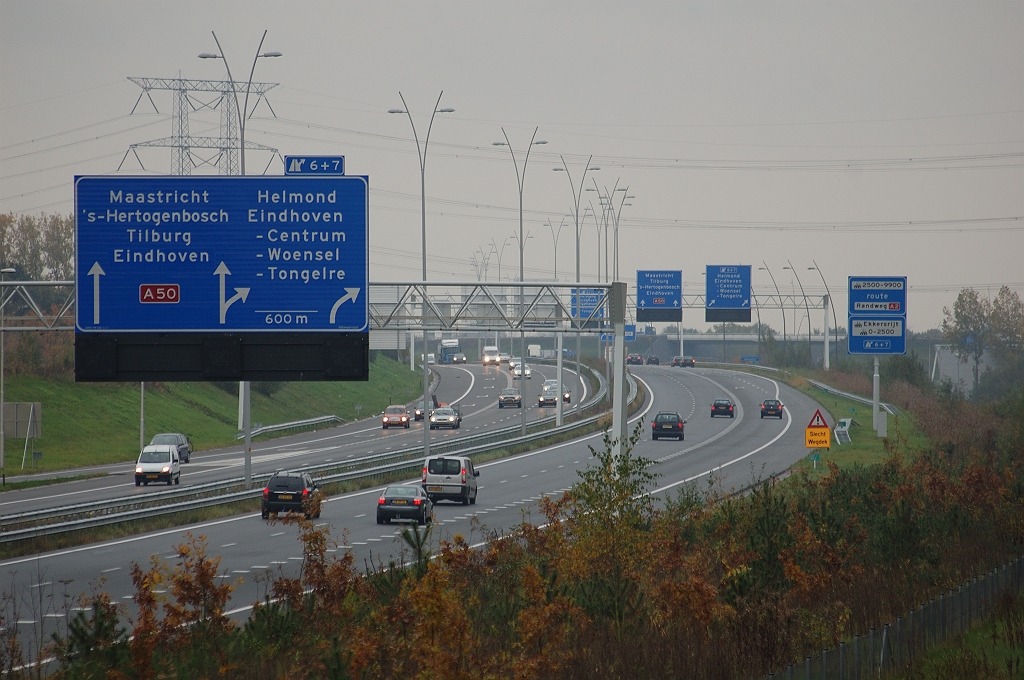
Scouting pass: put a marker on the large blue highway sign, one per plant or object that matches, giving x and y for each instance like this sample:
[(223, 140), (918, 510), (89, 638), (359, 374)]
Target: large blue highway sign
[(878, 295), (727, 293), (314, 165), (877, 335), (585, 302), (659, 295), (221, 254)]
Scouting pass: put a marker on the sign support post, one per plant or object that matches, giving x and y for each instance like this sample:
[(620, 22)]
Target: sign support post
[(617, 305)]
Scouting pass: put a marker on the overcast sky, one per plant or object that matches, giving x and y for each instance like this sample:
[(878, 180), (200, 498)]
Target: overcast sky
[(872, 138)]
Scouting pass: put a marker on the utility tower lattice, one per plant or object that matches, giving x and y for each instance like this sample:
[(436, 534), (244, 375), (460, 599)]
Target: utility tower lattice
[(181, 142)]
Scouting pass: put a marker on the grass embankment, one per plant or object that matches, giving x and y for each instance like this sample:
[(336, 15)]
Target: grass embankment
[(96, 423)]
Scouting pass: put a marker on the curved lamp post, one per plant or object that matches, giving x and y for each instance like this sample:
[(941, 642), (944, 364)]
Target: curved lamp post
[(835, 323), (244, 111), (520, 184), (806, 307), (785, 341), (555, 235), (245, 411)]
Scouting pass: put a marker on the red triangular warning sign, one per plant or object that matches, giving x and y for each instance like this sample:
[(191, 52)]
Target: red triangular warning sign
[(818, 420)]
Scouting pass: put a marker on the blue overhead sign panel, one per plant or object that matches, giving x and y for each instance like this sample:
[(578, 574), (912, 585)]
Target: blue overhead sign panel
[(221, 254), (727, 293), (877, 315), (586, 302), (314, 165), (659, 295), (630, 332)]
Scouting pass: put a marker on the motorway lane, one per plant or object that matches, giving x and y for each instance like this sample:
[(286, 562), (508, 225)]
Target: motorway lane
[(509, 488), (475, 388)]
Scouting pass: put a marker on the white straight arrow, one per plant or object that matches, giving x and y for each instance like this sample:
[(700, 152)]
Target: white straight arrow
[(96, 271), (240, 293)]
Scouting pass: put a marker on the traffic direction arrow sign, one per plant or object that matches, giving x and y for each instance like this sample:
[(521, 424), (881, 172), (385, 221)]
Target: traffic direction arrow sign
[(293, 249)]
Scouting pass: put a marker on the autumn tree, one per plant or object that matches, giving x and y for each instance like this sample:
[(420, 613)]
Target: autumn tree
[(967, 327)]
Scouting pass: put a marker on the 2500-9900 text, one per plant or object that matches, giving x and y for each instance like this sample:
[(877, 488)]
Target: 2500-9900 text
[(285, 319)]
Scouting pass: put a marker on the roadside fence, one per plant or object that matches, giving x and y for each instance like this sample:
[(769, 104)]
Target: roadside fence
[(893, 647)]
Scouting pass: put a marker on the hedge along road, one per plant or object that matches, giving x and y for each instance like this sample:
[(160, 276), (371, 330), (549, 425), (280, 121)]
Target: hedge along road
[(509, 487), (474, 387)]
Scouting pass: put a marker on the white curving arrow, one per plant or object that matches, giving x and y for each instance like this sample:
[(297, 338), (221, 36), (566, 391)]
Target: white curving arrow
[(350, 294), (96, 271), (240, 293)]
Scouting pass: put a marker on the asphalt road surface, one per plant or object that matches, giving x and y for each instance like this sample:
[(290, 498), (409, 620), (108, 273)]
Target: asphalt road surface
[(735, 450)]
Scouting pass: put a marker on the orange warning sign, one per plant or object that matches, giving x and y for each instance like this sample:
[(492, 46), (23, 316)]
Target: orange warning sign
[(817, 435), (818, 420)]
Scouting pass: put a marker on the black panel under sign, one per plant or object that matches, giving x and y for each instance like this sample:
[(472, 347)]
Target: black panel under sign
[(659, 315), (727, 315), (197, 357)]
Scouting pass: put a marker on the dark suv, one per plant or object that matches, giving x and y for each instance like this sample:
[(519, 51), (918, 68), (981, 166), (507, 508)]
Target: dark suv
[(653, 360), (287, 492), (722, 407), (634, 360), (667, 424)]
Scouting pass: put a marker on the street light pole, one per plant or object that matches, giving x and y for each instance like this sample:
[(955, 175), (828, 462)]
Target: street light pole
[(520, 183), (785, 342), (835, 323), (806, 307), (245, 404), (422, 154), (555, 235), (3, 334)]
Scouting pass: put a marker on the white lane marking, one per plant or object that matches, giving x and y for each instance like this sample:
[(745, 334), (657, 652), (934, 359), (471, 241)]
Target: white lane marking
[(279, 533), (361, 515), (107, 571), (40, 585), (228, 545), (259, 566)]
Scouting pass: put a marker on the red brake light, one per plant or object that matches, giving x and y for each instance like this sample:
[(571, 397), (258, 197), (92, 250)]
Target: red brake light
[(305, 492), (417, 501), (266, 492), (424, 473), (380, 501), (463, 475)]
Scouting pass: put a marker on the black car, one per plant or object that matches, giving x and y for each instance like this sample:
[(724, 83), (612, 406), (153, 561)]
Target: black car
[(682, 361), (771, 407), (418, 414), (668, 424), (510, 397), (653, 360), (288, 492), (634, 360), (404, 502), (723, 407), (183, 443)]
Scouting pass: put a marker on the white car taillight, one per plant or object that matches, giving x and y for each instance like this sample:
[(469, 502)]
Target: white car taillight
[(463, 475)]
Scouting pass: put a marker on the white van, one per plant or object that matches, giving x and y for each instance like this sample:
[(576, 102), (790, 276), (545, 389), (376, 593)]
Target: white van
[(490, 357), (450, 478), (158, 463)]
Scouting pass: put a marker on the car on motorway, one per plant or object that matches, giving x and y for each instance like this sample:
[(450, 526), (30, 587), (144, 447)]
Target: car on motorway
[(653, 360), (491, 357), (522, 371), (404, 502), (511, 397), (549, 394), (289, 492), (682, 362), (771, 407), (419, 412), (431, 359), (634, 359), (459, 358), (450, 478), (503, 358), (668, 424), (183, 443), (723, 407), (513, 362), (158, 463), (395, 416), (445, 416)]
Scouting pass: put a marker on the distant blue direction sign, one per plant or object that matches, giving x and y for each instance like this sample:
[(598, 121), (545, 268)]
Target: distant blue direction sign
[(877, 335), (314, 165), (727, 293), (586, 301), (878, 295), (659, 295), (630, 332), (221, 254)]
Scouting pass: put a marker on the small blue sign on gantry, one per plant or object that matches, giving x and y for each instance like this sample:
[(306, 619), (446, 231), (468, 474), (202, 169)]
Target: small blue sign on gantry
[(314, 165), (586, 303), (630, 332), (221, 254), (727, 293), (659, 295)]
